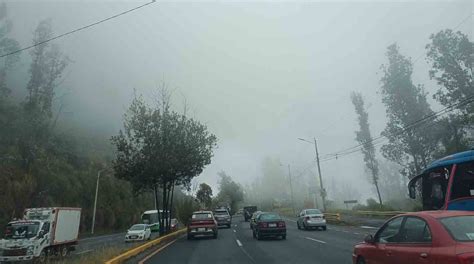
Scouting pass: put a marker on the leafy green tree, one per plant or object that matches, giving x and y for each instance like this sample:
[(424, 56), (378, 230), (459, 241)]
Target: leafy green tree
[(7, 45), (230, 192), (204, 195), (451, 56), (364, 137), (159, 147), (410, 144)]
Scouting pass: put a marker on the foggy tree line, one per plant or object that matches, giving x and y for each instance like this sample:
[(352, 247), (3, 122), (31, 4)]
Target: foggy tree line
[(46, 159)]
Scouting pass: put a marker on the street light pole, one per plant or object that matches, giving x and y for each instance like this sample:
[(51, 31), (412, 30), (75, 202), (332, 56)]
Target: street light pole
[(95, 200), (323, 191), (291, 191)]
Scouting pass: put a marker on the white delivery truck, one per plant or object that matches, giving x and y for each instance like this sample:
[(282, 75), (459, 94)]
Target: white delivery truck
[(42, 232)]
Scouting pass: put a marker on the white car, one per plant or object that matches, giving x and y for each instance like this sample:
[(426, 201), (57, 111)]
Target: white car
[(138, 232), (311, 218)]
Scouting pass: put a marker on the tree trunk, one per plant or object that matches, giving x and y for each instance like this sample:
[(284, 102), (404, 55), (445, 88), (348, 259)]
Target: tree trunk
[(157, 205), (171, 205), (377, 187), (165, 205)]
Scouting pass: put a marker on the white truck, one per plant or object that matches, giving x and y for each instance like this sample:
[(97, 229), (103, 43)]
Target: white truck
[(42, 232)]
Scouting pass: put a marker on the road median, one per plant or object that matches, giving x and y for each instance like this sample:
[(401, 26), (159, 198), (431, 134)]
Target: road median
[(139, 249)]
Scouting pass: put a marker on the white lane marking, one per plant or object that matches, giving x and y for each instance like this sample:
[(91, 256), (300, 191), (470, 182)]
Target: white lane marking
[(319, 241), (235, 225), (156, 252), (367, 227), (234, 231), (345, 231), (83, 252), (238, 242), (356, 233)]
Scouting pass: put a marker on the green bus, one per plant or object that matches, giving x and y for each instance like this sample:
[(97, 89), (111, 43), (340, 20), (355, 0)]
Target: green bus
[(150, 218)]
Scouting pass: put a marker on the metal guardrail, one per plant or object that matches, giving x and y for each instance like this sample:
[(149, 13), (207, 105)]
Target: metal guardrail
[(137, 250)]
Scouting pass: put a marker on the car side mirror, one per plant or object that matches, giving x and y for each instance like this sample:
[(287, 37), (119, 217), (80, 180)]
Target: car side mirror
[(412, 191), (369, 239), (41, 234)]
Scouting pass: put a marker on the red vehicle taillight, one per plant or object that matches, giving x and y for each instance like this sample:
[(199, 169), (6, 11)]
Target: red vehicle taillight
[(263, 224), (281, 224), (467, 258)]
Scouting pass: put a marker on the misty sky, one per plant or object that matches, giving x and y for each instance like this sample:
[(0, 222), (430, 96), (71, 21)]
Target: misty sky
[(259, 74)]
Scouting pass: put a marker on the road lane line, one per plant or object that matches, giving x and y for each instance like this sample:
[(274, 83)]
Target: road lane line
[(356, 233), (319, 241), (368, 227), (234, 231), (238, 242), (156, 252)]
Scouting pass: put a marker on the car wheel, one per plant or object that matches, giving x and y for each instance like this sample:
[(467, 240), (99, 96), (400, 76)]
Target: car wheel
[(324, 228), (215, 235), (190, 237), (283, 237), (360, 260), (257, 234), (253, 234), (298, 225), (304, 226)]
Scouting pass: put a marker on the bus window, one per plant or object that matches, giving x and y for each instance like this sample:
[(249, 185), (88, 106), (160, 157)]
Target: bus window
[(463, 182), (434, 189)]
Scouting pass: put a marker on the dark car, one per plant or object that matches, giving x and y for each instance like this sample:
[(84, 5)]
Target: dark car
[(269, 225), (248, 211), (421, 237), (202, 223), (253, 220), (223, 217)]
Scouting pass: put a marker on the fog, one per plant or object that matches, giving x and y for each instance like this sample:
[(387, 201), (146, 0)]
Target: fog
[(259, 74)]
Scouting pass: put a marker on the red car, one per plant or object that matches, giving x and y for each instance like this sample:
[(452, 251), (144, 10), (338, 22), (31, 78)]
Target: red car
[(431, 237), (202, 223)]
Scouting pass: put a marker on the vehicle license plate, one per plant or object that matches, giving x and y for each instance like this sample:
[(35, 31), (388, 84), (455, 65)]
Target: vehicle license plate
[(272, 225), (201, 229)]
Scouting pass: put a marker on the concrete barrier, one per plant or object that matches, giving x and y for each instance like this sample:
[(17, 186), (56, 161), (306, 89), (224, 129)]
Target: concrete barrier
[(139, 249)]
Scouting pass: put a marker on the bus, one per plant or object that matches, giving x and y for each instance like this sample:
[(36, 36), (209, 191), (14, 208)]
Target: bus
[(150, 218), (446, 184)]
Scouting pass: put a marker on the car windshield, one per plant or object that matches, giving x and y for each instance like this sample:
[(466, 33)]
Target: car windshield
[(270, 217), (137, 228), (313, 211), (202, 216), (461, 228), (21, 230), (221, 212)]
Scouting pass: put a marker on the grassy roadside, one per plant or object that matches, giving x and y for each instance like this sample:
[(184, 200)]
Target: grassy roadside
[(99, 256)]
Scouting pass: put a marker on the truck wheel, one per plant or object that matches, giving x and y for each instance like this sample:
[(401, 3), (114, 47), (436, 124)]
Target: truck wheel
[(298, 225), (42, 257)]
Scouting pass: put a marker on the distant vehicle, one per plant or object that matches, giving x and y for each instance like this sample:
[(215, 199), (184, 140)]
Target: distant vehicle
[(253, 220), (138, 232), (223, 217), (423, 237), (151, 219), (269, 225), (240, 211), (174, 224), (42, 232), (248, 211), (447, 184), (202, 224), (311, 218)]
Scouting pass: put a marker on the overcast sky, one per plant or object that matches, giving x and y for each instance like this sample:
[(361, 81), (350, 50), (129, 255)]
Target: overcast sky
[(259, 74)]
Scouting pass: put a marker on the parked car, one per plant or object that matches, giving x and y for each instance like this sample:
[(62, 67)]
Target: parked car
[(248, 211), (240, 211), (223, 217), (202, 223), (174, 224), (269, 225), (253, 219), (440, 237), (311, 218), (138, 232)]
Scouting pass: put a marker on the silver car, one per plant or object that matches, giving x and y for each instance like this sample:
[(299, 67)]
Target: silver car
[(311, 218)]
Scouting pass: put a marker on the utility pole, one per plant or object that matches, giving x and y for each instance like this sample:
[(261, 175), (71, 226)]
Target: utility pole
[(323, 191), (291, 191), (95, 200)]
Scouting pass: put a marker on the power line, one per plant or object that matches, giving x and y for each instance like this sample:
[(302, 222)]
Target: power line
[(359, 147), (76, 30)]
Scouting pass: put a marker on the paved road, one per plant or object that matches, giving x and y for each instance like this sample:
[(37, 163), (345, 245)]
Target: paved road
[(236, 245)]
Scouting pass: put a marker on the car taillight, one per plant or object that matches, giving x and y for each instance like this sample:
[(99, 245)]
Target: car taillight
[(306, 218), (281, 224), (467, 258), (263, 224)]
